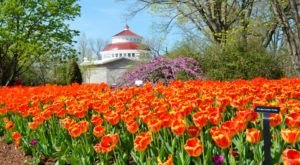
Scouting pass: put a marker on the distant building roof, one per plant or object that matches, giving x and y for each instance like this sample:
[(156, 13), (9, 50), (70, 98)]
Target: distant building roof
[(126, 32), (122, 46)]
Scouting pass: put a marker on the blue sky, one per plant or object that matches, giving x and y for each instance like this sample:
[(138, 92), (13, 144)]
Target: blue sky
[(101, 19)]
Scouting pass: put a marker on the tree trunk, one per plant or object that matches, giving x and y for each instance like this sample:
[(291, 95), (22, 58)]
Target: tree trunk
[(13, 70), (289, 21)]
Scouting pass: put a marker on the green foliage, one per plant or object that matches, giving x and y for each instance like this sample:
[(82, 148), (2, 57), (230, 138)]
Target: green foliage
[(186, 48), (74, 75), (184, 76), (31, 30), (237, 60)]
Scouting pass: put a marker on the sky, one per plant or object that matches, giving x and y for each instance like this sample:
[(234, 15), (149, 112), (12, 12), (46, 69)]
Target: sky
[(101, 19)]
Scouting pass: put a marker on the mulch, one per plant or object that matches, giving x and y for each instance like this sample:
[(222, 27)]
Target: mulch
[(10, 155)]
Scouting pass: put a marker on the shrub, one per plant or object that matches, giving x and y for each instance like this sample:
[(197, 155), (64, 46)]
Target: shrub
[(74, 73), (240, 61), (164, 70)]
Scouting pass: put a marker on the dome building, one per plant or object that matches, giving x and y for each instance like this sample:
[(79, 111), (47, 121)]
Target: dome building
[(124, 44), (116, 57)]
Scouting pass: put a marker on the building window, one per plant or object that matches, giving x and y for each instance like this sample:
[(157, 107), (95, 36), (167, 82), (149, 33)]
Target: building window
[(129, 55), (117, 55), (120, 54), (133, 55)]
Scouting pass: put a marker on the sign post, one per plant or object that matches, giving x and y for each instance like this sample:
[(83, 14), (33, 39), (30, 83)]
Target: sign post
[(266, 130)]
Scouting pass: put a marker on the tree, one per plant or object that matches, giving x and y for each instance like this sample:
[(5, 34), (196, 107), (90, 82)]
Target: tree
[(215, 17), (74, 73), (31, 29), (287, 15), (97, 46), (89, 48), (154, 45), (84, 49)]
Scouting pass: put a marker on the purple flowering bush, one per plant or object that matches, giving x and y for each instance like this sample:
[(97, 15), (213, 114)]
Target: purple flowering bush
[(164, 70)]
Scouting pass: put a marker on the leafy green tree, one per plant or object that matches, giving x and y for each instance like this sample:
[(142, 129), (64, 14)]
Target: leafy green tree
[(240, 61), (74, 73), (30, 30)]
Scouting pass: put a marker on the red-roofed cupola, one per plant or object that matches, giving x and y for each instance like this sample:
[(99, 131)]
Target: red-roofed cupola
[(124, 44), (126, 32)]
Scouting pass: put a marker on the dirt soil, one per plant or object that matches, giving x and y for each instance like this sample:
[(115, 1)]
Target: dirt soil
[(10, 155)]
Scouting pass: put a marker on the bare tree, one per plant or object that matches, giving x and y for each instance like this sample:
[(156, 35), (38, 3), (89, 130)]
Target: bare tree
[(155, 46), (287, 14), (97, 46), (219, 16), (84, 48)]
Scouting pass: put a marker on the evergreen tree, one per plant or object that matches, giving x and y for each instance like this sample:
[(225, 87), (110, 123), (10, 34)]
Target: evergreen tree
[(74, 73)]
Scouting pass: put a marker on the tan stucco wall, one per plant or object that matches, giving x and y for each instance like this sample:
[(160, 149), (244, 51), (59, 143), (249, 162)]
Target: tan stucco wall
[(108, 73), (95, 75)]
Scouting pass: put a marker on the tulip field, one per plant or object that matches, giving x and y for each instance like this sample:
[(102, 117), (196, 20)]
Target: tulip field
[(198, 122)]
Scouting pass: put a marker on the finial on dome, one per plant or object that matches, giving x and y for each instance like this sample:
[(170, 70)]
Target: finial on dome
[(126, 27)]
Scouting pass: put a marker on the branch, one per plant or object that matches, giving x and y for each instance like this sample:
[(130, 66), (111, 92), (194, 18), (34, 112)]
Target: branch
[(268, 37)]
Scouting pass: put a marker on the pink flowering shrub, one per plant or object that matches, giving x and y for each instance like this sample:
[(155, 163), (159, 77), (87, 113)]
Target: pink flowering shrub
[(164, 70)]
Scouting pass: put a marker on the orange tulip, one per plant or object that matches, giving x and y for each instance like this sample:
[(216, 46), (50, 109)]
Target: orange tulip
[(291, 157), (193, 147), (107, 143), (142, 141), (75, 131), (17, 143), (166, 119), (241, 124), (112, 117), (16, 135), (178, 127), (200, 119), (127, 116), (33, 125), (96, 120), (248, 115), (67, 122), (230, 127), (99, 131), (132, 126), (9, 125), (275, 119), (214, 130), (253, 135), (154, 125), (290, 135), (61, 112), (221, 138), (214, 117), (167, 162), (5, 119), (292, 120), (84, 126), (193, 131)]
